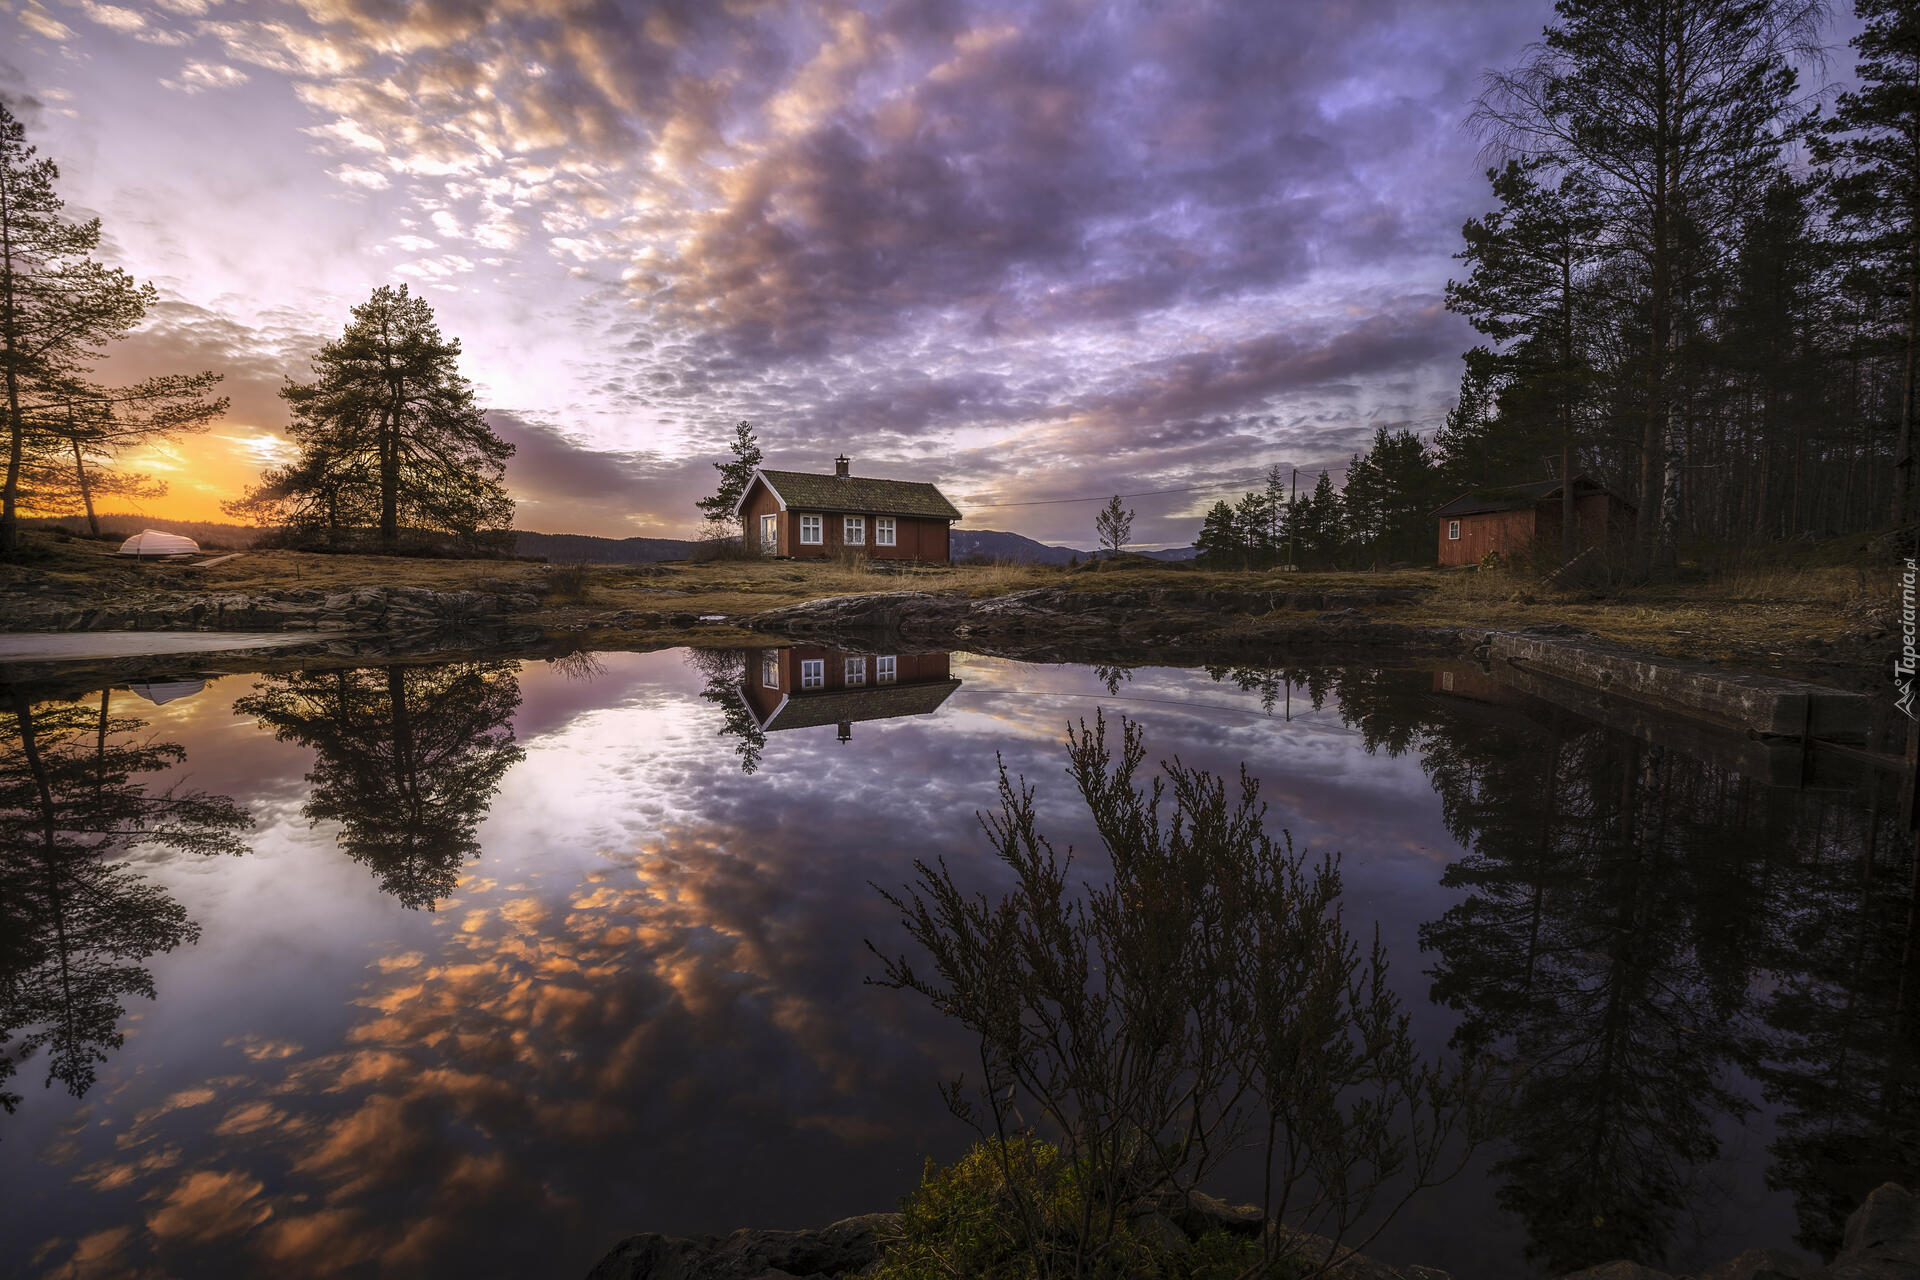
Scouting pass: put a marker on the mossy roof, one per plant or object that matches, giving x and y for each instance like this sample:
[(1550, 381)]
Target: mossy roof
[(1512, 497), (870, 702), (805, 491)]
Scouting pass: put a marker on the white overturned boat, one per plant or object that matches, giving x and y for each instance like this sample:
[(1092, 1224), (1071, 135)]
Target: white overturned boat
[(150, 544)]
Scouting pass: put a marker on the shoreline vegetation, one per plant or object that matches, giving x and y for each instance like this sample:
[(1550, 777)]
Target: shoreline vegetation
[(1826, 613), (1202, 1238)]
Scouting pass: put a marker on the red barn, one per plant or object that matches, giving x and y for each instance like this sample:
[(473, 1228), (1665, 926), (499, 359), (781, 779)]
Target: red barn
[(1513, 519), (807, 516)]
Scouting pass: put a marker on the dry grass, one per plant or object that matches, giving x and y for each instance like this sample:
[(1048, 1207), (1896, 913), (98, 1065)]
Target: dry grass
[(1743, 617)]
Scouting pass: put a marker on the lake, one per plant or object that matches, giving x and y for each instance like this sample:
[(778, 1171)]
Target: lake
[(475, 968)]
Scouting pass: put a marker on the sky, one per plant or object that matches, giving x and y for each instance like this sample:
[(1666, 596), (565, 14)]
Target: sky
[(1028, 250)]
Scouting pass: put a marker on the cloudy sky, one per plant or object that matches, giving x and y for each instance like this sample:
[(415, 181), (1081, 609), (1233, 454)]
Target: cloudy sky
[(1030, 250)]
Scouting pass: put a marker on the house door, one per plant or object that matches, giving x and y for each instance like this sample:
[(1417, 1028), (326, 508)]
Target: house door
[(769, 535)]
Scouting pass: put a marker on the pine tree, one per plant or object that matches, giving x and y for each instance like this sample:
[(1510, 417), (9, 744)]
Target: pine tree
[(735, 476), (58, 307), (1672, 112), (1872, 147), (1219, 542), (1527, 290), (389, 435)]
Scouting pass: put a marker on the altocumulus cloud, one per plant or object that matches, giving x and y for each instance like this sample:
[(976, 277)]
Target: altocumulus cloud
[(1032, 250)]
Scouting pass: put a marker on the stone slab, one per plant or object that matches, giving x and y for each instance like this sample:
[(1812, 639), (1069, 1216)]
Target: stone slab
[(1768, 705)]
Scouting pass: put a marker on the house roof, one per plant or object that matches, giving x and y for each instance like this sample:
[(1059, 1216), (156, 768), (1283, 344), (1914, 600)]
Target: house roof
[(1511, 497), (805, 491), (874, 702)]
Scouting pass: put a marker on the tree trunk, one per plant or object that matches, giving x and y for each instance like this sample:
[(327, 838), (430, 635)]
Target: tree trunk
[(389, 483), (86, 490), (1569, 509), (16, 428), (1903, 451)]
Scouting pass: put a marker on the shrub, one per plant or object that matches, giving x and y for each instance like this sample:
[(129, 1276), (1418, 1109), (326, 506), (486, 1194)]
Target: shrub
[(714, 545), (961, 1222), (568, 580), (1206, 998)]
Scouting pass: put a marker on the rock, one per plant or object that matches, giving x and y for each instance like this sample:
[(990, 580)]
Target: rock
[(1764, 1264), (842, 1249), (1621, 1270), (1206, 1213), (1882, 1238)]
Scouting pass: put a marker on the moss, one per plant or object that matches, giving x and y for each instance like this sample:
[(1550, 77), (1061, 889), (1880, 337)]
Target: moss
[(962, 1222)]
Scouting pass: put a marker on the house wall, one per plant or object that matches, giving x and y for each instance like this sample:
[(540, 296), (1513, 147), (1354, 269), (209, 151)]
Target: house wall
[(762, 699), (1508, 532), (761, 502), (914, 538), (910, 668)]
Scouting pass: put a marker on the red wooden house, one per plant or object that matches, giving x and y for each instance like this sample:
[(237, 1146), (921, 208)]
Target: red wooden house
[(1513, 519), (804, 686), (806, 516)]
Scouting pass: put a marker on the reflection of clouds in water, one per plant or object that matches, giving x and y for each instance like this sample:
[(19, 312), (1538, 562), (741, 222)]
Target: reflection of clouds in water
[(642, 1009)]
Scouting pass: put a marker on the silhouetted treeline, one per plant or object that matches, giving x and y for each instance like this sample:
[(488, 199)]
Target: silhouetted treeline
[(1699, 284)]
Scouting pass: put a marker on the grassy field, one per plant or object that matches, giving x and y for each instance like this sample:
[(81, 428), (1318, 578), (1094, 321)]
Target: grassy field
[(1813, 603)]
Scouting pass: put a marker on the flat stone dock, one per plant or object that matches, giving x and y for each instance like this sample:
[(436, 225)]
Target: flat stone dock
[(1765, 705), (83, 646)]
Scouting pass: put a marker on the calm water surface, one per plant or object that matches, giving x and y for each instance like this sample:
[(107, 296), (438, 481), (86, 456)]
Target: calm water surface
[(472, 969)]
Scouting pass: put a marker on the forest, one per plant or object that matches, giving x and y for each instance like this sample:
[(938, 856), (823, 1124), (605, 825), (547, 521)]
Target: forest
[(1696, 283)]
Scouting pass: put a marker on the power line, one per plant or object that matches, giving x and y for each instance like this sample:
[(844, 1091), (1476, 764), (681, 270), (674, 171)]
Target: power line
[(1148, 493)]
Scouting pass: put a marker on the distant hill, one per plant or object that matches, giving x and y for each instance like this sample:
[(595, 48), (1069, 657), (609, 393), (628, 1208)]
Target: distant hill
[(586, 549), (560, 547), (211, 535), (1009, 546)]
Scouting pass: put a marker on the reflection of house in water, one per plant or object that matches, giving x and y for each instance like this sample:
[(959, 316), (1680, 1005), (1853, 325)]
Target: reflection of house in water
[(165, 689), (805, 686)]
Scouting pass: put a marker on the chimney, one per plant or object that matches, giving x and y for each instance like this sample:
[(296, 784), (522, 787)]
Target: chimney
[(840, 467)]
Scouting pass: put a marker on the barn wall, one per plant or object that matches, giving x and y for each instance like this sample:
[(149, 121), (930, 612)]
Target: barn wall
[(1508, 532)]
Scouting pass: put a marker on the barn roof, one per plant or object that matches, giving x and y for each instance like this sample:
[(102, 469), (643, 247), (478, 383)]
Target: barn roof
[(875, 702), (1512, 497), (805, 491)]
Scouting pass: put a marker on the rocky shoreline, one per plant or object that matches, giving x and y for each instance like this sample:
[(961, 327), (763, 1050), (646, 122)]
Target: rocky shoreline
[(362, 609), (1881, 1242)]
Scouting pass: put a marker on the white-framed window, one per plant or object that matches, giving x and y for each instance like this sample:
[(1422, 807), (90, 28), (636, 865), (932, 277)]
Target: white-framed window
[(886, 669), (770, 671), (769, 535), (883, 527), (857, 670), (854, 531), (813, 673), (810, 530), (1453, 530)]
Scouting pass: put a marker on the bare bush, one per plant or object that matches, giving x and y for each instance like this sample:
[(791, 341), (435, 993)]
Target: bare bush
[(1206, 999)]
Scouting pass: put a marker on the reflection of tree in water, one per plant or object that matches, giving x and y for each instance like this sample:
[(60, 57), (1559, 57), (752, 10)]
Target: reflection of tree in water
[(1843, 1016), (1639, 924), (74, 924), (407, 760), (724, 670), (1599, 959)]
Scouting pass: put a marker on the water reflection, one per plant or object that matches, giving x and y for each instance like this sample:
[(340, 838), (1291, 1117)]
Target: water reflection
[(1645, 934), (76, 924), (406, 760), (770, 690), (642, 1007)]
